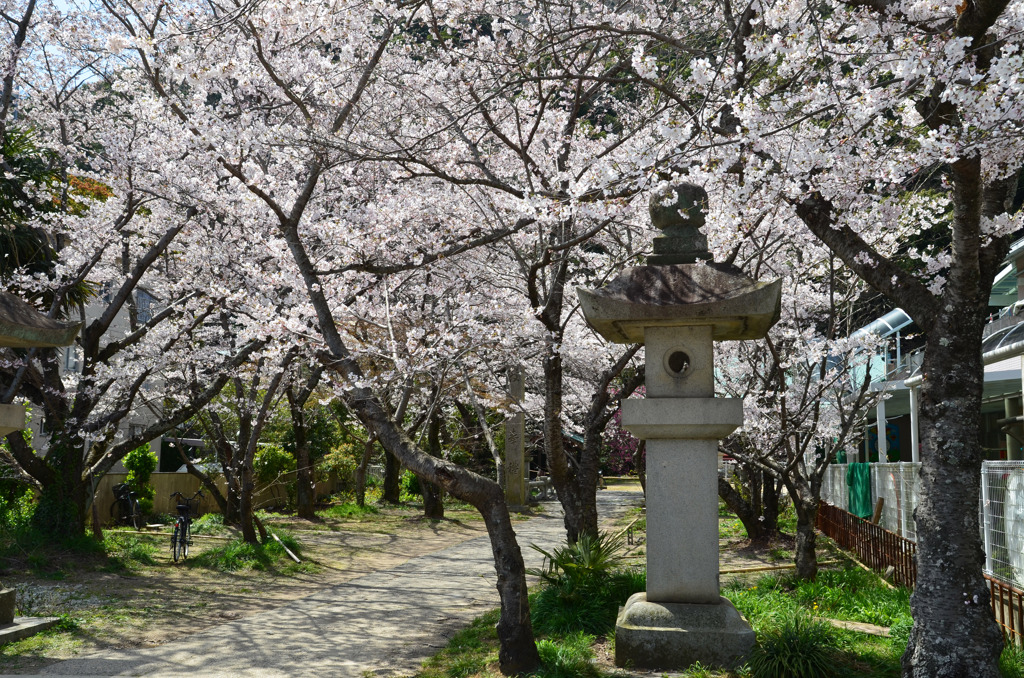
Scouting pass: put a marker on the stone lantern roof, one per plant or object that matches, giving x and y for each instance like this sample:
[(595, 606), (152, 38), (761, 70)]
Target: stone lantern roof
[(680, 286), (22, 326)]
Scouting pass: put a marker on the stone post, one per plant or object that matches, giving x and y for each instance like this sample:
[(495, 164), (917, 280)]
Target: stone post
[(515, 448)]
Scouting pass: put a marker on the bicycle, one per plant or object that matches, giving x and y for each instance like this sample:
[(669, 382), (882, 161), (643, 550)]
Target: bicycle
[(125, 509), (181, 538)]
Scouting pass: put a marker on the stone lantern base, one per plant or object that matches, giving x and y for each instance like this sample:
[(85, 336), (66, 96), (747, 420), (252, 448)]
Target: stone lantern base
[(674, 636), (7, 602)]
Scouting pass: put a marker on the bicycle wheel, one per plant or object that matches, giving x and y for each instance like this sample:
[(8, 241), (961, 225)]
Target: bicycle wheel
[(115, 512), (186, 539), (176, 542), (135, 519)]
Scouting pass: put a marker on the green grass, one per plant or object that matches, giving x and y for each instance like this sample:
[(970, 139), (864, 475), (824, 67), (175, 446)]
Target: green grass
[(469, 651), (208, 523), (567, 657), (239, 555), (347, 511), (126, 552)]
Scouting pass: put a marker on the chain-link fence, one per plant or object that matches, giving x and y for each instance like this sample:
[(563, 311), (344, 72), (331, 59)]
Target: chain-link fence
[(1002, 519), (1001, 513)]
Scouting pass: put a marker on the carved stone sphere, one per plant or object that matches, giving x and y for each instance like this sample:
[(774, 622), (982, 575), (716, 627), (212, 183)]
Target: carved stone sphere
[(686, 210)]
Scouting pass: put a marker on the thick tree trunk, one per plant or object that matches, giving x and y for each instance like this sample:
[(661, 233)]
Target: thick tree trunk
[(392, 478), (564, 477), (305, 493), (61, 510), (770, 487), (245, 507), (806, 539), (954, 633)]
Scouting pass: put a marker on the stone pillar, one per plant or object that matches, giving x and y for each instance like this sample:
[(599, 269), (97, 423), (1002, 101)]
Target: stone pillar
[(682, 614), (515, 432)]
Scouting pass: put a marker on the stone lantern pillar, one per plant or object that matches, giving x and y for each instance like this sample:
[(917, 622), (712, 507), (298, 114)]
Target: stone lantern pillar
[(21, 326), (677, 306)]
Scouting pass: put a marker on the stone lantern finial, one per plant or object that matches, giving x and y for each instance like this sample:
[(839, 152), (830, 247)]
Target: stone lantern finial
[(678, 212)]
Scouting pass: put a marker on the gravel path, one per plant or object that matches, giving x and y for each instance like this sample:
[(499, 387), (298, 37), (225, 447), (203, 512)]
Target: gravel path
[(383, 623)]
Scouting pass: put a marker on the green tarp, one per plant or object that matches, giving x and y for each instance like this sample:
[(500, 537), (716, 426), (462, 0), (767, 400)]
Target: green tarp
[(858, 479)]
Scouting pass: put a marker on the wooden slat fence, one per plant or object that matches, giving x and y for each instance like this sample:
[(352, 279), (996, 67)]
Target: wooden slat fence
[(876, 547), (880, 549)]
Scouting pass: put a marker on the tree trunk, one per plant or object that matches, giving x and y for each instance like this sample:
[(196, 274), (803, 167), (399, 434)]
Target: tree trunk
[(392, 478), (770, 502), (954, 633), (749, 513), (360, 475), (305, 492), (211, 487), (61, 510), (433, 504), (563, 475), (640, 464), (245, 507), (806, 539)]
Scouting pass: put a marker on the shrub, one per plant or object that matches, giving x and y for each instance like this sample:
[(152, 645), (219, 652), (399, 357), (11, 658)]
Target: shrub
[(140, 464), (584, 590), (588, 607), (125, 550), (589, 558), (348, 510), (342, 461), (240, 555), (207, 523), (271, 462), (800, 648), (410, 485)]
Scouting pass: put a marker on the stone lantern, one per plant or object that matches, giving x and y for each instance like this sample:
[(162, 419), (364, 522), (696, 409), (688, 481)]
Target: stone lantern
[(678, 305), (21, 326)]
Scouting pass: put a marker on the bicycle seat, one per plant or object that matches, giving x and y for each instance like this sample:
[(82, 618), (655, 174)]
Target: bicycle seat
[(183, 509)]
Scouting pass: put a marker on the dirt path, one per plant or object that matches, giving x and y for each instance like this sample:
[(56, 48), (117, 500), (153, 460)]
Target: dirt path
[(164, 602), (378, 616)]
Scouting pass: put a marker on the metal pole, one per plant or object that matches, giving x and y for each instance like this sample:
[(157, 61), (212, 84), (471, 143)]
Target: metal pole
[(986, 517), (914, 433), (883, 447)]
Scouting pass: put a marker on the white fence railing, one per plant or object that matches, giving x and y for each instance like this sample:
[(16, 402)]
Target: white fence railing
[(1001, 510)]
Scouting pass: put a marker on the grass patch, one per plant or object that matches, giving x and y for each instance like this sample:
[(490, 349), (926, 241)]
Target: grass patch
[(469, 652), (126, 552), (799, 648), (239, 555), (731, 529), (209, 523), (347, 511), (567, 657)]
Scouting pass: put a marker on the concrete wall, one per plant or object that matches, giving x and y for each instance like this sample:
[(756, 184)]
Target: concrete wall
[(267, 496)]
